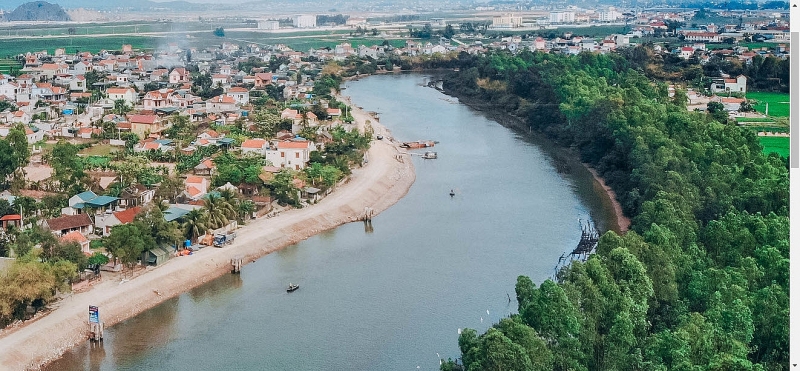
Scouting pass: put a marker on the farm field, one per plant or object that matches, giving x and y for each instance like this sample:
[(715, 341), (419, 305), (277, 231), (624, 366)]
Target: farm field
[(778, 103), (775, 144), (6, 66), (10, 47)]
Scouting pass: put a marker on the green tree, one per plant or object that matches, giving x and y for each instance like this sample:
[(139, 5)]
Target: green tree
[(195, 224), (127, 242)]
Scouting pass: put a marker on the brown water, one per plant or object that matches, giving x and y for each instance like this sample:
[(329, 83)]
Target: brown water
[(392, 298)]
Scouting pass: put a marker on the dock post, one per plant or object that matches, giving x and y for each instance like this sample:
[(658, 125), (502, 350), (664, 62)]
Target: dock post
[(236, 265), (96, 331)]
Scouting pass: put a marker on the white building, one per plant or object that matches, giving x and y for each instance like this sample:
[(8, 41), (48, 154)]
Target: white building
[(611, 15), (737, 85), (506, 21), (270, 25), (562, 17), (290, 154), (305, 21)]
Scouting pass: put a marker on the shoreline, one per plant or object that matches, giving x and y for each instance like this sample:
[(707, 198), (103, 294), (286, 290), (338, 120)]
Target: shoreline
[(379, 184), (622, 222)]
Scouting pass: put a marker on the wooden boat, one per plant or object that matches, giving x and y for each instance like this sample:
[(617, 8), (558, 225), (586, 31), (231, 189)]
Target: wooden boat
[(452, 193), (418, 144), (430, 155), (292, 287)]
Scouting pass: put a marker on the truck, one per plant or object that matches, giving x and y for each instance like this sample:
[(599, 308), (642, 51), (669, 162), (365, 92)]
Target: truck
[(221, 239)]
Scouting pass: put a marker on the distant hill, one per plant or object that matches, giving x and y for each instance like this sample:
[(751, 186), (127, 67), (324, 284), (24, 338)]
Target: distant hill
[(38, 11)]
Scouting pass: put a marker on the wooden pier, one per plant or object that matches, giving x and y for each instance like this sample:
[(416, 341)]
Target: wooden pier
[(96, 332), (588, 242)]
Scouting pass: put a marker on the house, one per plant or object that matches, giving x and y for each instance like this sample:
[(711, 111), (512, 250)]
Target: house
[(108, 220), (263, 79), (143, 125), (686, 52), (69, 223), (127, 94), (157, 99), (210, 136), (334, 112), (196, 187), (239, 94), (77, 237), (737, 85), (290, 154), (78, 201), (153, 145), (257, 146), (179, 75), (220, 103), (205, 167), (136, 195)]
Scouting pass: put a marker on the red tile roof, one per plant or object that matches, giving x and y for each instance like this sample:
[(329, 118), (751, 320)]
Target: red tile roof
[(290, 144), (127, 216)]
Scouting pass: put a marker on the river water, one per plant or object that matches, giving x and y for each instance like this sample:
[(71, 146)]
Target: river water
[(393, 297)]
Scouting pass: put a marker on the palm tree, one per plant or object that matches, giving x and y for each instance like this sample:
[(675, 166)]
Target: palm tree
[(195, 224), (217, 210), (230, 198)]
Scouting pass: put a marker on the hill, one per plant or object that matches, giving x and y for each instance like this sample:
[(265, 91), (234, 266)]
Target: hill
[(38, 11)]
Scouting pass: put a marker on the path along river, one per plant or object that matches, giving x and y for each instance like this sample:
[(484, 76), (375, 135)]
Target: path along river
[(390, 298)]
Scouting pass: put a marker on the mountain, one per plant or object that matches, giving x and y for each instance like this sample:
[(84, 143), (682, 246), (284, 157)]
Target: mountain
[(38, 11)]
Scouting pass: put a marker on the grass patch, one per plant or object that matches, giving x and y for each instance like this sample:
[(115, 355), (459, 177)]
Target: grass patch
[(99, 150), (780, 145), (778, 103), (754, 119)]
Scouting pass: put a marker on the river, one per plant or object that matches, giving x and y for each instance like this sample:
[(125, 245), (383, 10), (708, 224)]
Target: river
[(393, 297)]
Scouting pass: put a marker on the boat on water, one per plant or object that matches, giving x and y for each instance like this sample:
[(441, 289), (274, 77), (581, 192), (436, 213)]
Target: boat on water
[(430, 155), (418, 144), (292, 287)]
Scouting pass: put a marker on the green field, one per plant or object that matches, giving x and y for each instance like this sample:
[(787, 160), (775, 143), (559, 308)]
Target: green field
[(6, 65), (778, 103), (10, 47), (775, 144), (754, 119)]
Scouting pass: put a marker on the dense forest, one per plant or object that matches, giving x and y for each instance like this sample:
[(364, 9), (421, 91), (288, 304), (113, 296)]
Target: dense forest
[(701, 281)]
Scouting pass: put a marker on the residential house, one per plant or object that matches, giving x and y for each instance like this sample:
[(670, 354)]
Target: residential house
[(196, 187), (108, 220), (725, 85), (136, 195), (209, 136), (290, 154), (127, 94), (69, 223), (143, 125), (263, 79), (205, 167), (157, 99), (239, 94), (179, 75), (79, 238), (257, 146), (221, 103)]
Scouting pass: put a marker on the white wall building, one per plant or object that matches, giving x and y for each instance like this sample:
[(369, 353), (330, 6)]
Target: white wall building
[(270, 25), (290, 154), (304, 21), (562, 17), (611, 15), (506, 21)]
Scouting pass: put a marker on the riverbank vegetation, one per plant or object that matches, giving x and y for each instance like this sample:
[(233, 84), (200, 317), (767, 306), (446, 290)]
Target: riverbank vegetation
[(700, 282)]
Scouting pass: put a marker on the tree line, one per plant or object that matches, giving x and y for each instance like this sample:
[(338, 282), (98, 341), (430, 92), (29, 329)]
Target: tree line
[(701, 279)]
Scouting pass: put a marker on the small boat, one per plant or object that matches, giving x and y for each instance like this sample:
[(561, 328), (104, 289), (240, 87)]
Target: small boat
[(380, 137), (452, 193), (292, 287), (418, 144), (429, 155)]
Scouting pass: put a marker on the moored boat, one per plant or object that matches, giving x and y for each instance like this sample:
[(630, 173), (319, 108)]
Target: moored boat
[(430, 155), (292, 287), (418, 144)]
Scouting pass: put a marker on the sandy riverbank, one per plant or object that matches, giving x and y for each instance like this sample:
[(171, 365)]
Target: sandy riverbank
[(384, 180), (623, 222)]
